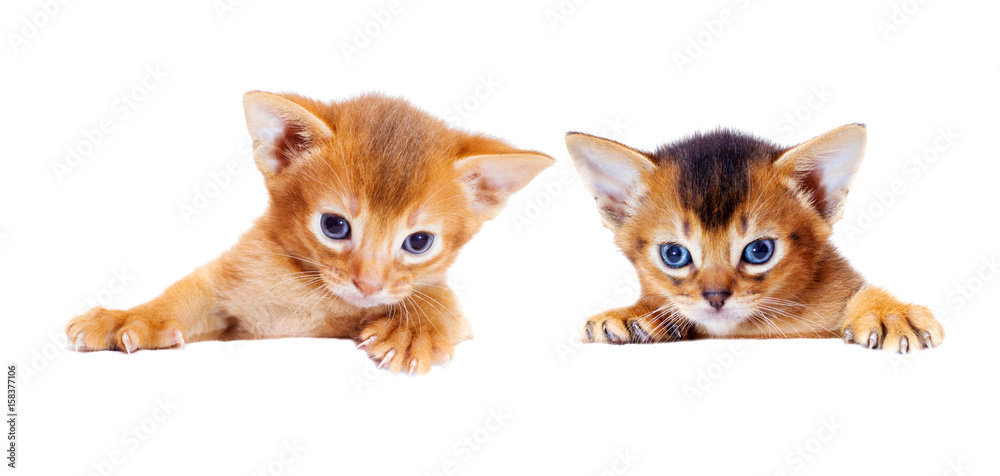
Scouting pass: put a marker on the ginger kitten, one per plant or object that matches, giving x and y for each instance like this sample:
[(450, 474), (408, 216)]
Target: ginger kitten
[(370, 201), (730, 237)]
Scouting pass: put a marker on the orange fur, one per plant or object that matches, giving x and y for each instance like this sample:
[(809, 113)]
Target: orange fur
[(387, 168), (715, 194)]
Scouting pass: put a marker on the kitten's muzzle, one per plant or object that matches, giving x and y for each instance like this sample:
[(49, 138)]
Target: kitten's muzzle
[(367, 287), (717, 299)]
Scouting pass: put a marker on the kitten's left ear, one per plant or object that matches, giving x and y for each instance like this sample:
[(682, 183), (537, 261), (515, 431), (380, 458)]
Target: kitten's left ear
[(825, 167), (613, 174), (492, 178), (281, 130)]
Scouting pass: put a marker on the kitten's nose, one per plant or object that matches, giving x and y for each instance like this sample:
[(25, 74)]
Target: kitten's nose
[(717, 299), (368, 286)]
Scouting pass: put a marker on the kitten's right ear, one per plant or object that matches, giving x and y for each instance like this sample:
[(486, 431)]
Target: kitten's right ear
[(611, 172), (281, 130), (825, 167)]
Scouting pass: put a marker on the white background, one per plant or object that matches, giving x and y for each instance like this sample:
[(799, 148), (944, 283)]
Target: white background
[(531, 277)]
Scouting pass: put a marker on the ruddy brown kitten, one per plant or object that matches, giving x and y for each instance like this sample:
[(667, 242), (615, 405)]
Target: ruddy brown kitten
[(370, 201), (730, 237)]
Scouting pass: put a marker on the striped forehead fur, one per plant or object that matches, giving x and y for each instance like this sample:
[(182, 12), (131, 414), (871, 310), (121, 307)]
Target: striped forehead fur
[(714, 171)]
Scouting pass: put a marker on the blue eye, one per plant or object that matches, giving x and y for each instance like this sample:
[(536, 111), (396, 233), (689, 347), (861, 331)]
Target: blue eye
[(418, 243), (674, 255), (335, 227), (759, 252)]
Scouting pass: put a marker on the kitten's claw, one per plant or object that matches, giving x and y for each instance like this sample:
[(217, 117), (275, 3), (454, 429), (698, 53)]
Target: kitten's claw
[(78, 345), (388, 358), (125, 331), (618, 326), (676, 333), (366, 342), (128, 344), (179, 339), (872, 340), (612, 337), (888, 323), (405, 347), (638, 332)]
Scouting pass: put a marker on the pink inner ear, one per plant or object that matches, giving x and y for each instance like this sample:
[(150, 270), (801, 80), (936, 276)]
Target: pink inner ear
[(280, 129), (813, 182), (825, 166), (292, 141), (493, 178)]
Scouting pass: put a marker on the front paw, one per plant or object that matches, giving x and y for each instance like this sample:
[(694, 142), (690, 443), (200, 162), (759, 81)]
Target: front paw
[(877, 320), (126, 331), (620, 326), (404, 346)]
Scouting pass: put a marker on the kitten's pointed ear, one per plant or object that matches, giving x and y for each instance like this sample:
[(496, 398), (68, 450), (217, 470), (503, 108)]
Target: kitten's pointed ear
[(825, 167), (492, 178), (281, 130), (611, 172)]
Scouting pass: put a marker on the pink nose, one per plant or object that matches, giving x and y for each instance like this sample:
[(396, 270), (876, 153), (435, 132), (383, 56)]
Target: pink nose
[(717, 299), (368, 287)]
